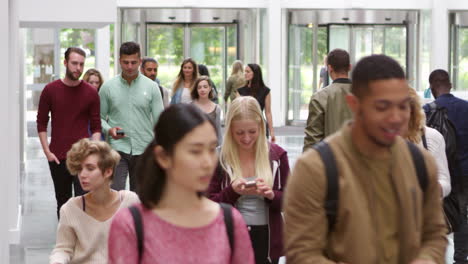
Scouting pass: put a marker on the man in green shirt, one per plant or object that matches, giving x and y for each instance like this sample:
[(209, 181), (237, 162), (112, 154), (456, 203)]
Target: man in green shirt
[(130, 107)]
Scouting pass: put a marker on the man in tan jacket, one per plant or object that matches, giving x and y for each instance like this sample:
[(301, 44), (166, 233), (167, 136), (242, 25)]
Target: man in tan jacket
[(383, 214), (327, 107)]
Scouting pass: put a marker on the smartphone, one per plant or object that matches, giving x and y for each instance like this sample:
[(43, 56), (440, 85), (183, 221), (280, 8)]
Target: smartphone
[(251, 184), (120, 132)]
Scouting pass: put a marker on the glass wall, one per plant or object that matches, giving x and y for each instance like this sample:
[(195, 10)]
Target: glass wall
[(459, 50), (306, 64), (301, 67), (165, 44)]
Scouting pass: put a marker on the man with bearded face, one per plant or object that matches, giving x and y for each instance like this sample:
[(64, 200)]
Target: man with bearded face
[(73, 104), (383, 213)]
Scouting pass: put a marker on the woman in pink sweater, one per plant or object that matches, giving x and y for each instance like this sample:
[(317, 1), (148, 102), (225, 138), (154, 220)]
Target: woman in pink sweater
[(179, 224)]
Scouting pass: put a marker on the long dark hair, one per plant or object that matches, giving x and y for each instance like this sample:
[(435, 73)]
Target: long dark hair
[(256, 84), (180, 76), (174, 123)]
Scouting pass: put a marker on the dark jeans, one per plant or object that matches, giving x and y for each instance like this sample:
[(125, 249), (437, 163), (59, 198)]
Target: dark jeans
[(63, 182), (126, 166), (460, 239), (259, 236)]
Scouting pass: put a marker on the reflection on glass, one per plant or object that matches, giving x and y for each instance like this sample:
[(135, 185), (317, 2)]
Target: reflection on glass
[(363, 44), (300, 68), (165, 44), (39, 66), (339, 37), (459, 61), (395, 44), (82, 38), (358, 40), (208, 47)]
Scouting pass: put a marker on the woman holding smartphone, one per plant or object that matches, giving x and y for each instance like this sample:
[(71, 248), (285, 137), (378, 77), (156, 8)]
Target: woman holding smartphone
[(85, 220), (180, 225), (251, 176)]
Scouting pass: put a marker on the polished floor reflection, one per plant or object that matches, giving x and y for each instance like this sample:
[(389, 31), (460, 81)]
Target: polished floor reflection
[(39, 220)]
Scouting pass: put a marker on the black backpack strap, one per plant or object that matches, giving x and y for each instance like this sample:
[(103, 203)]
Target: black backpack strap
[(419, 164), (424, 141), (227, 212), (331, 201), (138, 229)]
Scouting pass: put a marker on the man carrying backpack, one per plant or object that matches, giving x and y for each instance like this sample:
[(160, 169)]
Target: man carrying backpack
[(457, 112), (370, 197)]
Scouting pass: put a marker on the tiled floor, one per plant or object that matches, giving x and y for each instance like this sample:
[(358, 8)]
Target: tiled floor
[(38, 202)]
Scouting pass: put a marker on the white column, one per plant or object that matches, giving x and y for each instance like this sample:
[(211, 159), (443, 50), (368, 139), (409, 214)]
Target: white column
[(12, 130), (439, 35), (4, 71), (103, 51), (275, 76), (9, 154)]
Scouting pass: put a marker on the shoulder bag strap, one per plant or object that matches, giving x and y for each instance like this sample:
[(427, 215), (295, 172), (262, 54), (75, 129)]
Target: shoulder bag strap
[(331, 171), (228, 221), (419, 164), (138, 229)]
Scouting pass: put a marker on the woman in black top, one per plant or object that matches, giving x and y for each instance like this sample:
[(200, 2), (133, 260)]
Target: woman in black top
[(256, 88)]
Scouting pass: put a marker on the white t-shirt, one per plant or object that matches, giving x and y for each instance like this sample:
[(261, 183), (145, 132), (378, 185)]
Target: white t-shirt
[(186, 97), (436, 146)]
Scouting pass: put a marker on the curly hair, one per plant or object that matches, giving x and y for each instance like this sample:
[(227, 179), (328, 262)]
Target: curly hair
[(417, 119), (108, 158)]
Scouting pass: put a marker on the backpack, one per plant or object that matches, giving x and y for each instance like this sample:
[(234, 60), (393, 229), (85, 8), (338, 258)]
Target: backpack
[(437, 118), (137, 221), (331, 171)]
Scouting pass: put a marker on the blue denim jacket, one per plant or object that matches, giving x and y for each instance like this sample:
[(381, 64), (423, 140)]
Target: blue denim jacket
[(457, 110)]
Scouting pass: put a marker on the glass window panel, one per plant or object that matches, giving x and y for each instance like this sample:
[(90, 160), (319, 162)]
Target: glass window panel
[(39, 67), (207, 47), (395, 44), (339, 37), (321, 57), (461, 62), (82, 38), (362, 42), (300, 69), (165, 44)]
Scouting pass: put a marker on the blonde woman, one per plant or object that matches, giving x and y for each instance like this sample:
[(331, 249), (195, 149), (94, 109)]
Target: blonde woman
[(418, 133), (183, 85), (85, 220), (235, 81), (251, 176)]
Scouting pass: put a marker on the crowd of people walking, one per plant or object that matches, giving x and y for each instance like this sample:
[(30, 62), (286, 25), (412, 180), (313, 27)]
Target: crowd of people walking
[(365, 190)]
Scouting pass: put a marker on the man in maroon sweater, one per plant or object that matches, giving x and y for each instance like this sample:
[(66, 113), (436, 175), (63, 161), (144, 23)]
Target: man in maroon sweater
[(74, 105)]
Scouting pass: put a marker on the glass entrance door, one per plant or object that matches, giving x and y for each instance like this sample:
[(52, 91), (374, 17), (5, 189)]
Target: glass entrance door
[(308, 47), (214, 45), (365, 40)]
